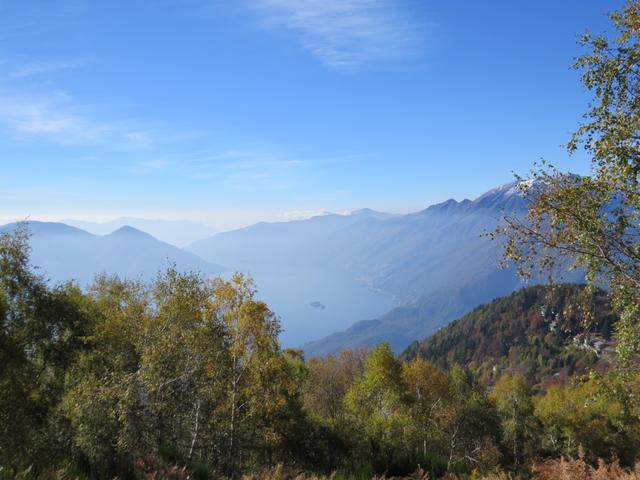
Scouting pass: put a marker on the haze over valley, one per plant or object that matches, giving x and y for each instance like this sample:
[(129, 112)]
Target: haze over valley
[(379, 277)]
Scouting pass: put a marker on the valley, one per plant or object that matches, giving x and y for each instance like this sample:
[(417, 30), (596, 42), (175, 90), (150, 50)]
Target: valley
[(380, 277)]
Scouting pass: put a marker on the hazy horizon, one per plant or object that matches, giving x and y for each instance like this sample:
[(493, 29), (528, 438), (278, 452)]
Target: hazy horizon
[(223, 221)]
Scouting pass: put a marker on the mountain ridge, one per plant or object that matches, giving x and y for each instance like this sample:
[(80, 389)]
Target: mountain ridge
[(378, 276), (179, 233), (434, 264), (65, 253)]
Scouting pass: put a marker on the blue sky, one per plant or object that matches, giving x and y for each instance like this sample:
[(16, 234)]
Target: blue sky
[(233, 112)]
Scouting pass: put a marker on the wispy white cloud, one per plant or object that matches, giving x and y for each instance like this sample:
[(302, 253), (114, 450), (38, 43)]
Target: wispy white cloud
[(148, 167), (138, 138), (52, 116), (56, 116), (39, 68), (291, 215), (245, 167), (42, 111), (248, 167), (347, 35)]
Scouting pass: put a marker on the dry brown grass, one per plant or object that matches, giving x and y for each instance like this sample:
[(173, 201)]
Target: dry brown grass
[(488, 476), (553, 469), (578, 469), (280, 472)]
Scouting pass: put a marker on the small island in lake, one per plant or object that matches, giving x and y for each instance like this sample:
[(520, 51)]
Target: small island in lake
[(318, 305)]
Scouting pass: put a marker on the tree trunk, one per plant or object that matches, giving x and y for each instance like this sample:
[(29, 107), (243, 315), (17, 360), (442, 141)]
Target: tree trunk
[(194, 436), (232, 433)]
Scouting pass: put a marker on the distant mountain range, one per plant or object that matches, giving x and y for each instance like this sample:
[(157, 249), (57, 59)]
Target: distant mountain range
[(62, 252), (435, 264), (295, 265), (336, 281), (176, 232)]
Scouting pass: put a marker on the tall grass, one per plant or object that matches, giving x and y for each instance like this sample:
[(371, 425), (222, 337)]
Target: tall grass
[(551, 469)]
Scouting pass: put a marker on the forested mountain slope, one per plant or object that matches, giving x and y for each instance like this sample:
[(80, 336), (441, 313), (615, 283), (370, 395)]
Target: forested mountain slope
[(541, 332)]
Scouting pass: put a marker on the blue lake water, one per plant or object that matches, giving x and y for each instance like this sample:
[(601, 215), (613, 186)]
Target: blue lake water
[(290, 293)]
